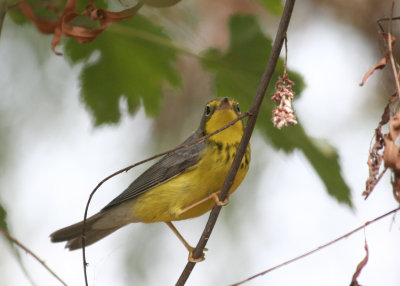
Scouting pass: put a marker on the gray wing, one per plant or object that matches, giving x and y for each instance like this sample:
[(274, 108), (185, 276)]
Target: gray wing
[(168, 167)]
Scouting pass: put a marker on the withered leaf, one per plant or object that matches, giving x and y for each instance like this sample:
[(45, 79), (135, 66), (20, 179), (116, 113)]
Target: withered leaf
[(360, 266), (396, 186), (63, 26), (382, 63), (391, 154)]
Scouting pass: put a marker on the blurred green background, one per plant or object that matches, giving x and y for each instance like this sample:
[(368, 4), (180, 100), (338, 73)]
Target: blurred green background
[(66, 122)]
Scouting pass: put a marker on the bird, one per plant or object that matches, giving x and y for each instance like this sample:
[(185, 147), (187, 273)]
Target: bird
[(181, 185)]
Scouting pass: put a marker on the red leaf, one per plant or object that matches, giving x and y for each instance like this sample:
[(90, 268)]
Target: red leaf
[(46, 27), (68, 13)]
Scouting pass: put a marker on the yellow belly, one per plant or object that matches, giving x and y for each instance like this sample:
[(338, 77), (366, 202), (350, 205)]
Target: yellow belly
[(166, 201)]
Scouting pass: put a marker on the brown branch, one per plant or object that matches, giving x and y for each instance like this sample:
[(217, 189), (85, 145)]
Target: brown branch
[(268, 72), (201, 139), (318, 248), (27, 250)]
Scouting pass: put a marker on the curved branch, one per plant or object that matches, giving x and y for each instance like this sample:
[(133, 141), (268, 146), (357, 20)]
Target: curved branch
[(268, 72)]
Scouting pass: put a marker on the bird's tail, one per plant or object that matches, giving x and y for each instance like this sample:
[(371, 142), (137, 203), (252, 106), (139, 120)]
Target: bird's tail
[(97, 227)]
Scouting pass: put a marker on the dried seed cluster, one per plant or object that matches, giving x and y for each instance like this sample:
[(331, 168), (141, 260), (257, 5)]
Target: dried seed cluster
[(283, 114)]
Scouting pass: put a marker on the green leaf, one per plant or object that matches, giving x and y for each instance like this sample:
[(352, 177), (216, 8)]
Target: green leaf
[(3, 215), (131, 66), (273, 6), (3, 222), (238, 72), (17, 16)]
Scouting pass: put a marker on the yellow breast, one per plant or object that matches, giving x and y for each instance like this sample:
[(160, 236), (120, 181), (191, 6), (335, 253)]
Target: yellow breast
[(211, 175), (166, 201)]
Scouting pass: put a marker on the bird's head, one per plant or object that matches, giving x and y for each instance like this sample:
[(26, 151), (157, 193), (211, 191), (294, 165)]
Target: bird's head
[(218, 113)]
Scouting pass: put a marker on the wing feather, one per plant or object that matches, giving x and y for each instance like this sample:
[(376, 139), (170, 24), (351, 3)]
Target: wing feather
[(168, 167)]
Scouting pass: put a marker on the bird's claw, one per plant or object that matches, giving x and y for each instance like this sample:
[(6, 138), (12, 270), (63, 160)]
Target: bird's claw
[(195, 260), (218, 202)]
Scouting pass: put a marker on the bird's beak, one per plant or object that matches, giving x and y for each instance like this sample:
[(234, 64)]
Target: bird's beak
[(225, 104)]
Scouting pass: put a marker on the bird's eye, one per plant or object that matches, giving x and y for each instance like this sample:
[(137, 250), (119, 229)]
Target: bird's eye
[(208, 110), (238, 108)]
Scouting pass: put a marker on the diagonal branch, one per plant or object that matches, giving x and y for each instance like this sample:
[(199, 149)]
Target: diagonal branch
[(27, 250), (269, 70), (319, 247)]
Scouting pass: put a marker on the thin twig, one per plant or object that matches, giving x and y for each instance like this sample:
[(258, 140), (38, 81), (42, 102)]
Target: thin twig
[(286, 52), (318, 248), (266, 77), (385, 19), (201, 139), (17, 254), (27, 250)]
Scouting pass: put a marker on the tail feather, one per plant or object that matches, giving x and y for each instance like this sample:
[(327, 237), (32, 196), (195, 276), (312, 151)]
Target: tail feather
[(95, 230), (73, 230), (91, 237)]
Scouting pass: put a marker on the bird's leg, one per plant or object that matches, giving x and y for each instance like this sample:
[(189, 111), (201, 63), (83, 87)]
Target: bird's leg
[(213, 196), (187, 245)]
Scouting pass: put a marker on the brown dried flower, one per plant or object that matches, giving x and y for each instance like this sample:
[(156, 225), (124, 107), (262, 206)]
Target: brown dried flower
[(283, 114)]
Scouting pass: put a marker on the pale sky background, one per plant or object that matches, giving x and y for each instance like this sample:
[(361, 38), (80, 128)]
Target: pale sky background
[(55, 158)]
